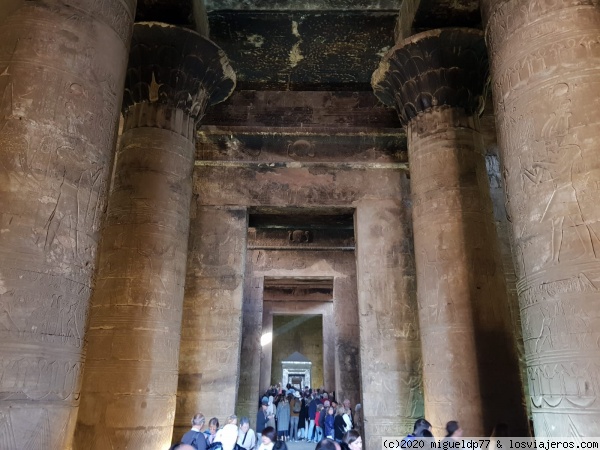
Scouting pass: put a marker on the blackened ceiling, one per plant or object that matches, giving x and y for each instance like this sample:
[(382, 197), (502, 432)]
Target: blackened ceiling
[(308, 45), (304, 75)]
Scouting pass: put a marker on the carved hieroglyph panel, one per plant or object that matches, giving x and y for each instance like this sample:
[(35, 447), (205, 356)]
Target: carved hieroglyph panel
[(62, 66), (469, 358), (545, 64)]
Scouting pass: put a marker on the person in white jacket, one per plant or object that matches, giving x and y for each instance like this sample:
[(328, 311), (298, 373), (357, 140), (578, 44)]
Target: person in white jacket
[(347, 420)]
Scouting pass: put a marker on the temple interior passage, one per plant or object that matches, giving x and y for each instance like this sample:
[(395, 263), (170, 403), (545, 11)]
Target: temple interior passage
[(394, 202)]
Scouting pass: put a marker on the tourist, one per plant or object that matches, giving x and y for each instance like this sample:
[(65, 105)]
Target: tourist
[(228, 439), (349, 412), (295, 406), (211, 433), (346, 417), (261, 416), (230, 419), (268, 439), (328, 444), (319, 427), (246, 435), (195, 437), (312, 412), (303, 418), (283, 418), (353, 440), (339, 424), (321, 422), (420, 425), (329, 423), (271, 412), (426, 436), (453, 431)]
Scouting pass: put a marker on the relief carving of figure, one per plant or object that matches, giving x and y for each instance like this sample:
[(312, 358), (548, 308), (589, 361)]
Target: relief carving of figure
[(558, 168)]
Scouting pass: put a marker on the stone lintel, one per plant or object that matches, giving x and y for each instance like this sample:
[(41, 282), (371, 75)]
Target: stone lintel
[(442, 67), (176, 68)]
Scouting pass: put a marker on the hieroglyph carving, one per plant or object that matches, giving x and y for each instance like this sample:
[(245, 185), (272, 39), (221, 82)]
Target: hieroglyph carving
[(39, 379), (545, 59), (57, 130)]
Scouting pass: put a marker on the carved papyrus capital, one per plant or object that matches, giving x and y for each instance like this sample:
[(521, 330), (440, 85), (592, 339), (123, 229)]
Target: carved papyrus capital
[(443, 67), (174, 67)]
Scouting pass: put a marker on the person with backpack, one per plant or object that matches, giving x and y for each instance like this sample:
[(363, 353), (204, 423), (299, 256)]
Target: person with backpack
[(195, 437), (295, 407)]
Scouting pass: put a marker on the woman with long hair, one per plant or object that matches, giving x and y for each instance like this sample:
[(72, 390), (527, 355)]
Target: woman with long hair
[(353, 440), (339, 424)]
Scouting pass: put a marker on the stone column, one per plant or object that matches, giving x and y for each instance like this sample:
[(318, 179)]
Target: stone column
[(545, 64), (266, 354), (469, 361), (389, 334), (346, 331), (251, 349), (130, 378), (62, 69), (209, 361)]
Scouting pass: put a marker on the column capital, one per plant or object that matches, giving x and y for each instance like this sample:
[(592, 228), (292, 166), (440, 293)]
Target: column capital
[(174, 67), (442, 67)]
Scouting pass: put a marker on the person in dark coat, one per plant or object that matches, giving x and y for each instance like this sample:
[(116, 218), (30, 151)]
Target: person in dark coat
[(329, 423), (312, 411), (339, 425), (261, 416), (195, 437), (303, 419)]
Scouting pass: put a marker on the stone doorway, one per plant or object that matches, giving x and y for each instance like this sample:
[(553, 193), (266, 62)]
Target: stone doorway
[(296, 370), (298, 312), (297, 350), (300, 273)]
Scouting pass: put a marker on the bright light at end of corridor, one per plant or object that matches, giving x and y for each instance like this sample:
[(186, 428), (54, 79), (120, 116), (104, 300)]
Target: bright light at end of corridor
[(266, 339)]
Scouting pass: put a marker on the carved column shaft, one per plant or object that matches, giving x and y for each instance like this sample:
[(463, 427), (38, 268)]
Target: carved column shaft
[(389, 340), (130, 379), (62, 68), (470, 369), (211, 333), (449, 239), (545, 61)]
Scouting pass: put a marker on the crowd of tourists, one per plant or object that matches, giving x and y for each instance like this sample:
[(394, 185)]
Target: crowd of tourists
[(306, 415), (283, 416), (302, 415)]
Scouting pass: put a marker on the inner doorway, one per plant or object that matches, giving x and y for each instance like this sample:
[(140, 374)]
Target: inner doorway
[(297, 356), (300, 264)]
